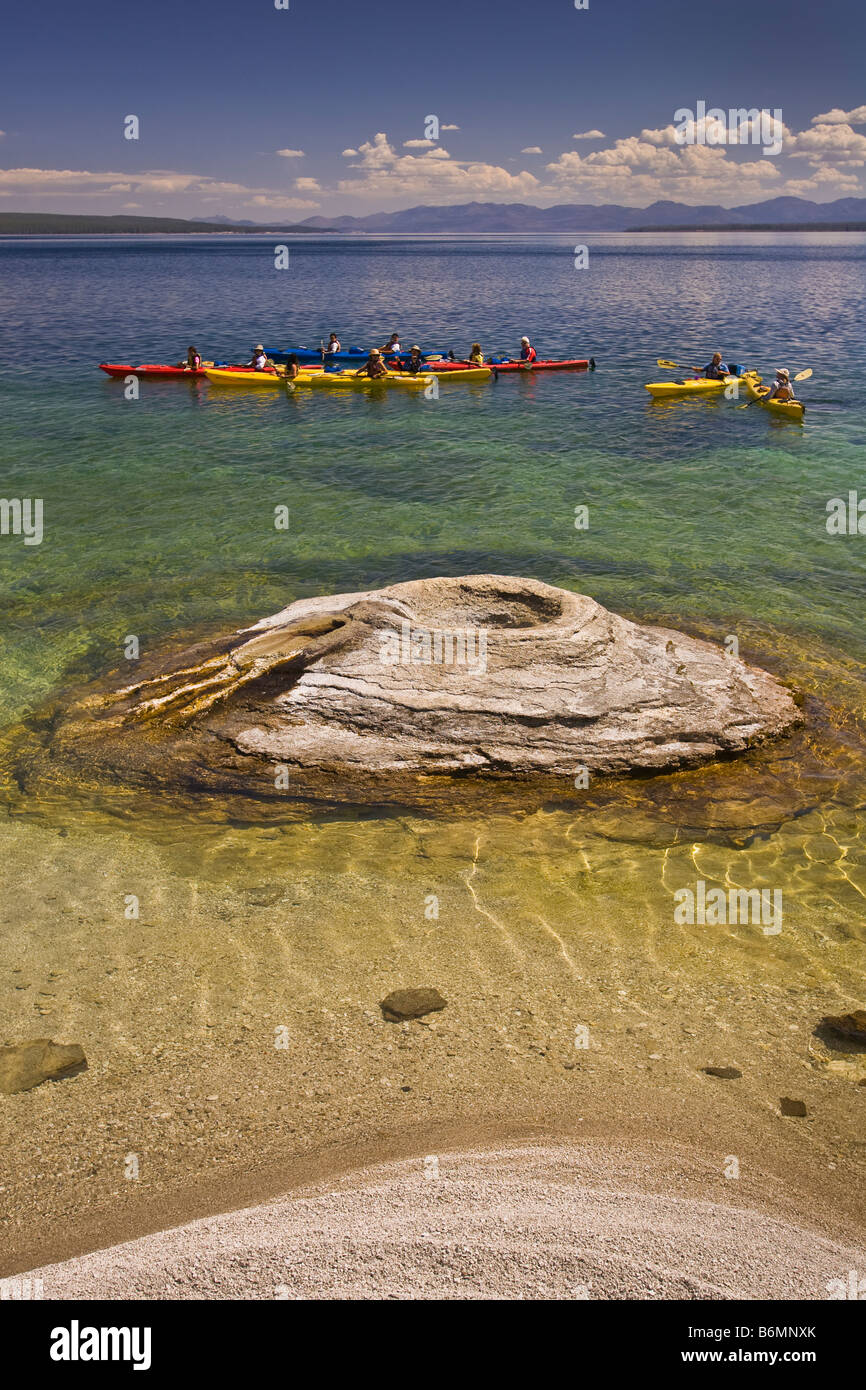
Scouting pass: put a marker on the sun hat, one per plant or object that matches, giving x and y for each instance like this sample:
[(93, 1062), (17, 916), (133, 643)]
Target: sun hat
[(374, 352), (782, 371), (258, 348)]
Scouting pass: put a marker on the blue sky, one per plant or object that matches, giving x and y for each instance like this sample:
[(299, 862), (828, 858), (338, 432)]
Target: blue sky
[(221, 86)]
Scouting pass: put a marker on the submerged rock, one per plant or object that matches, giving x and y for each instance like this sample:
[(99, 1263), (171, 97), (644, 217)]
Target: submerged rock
[(851, 1026), (28, 1064), (411, 1003), (794, 1109), (483, 676)]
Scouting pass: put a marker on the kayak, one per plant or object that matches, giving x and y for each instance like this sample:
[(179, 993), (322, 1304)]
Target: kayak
[(354, 355), (690, 386), (542, 364), (349, 381), (457, 371), (152, 369), (793, 410), (248, 376)]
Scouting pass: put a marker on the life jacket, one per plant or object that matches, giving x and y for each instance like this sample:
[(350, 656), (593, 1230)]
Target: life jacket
[(528, 354)]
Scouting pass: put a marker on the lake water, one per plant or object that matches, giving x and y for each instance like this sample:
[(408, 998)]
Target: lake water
[(158, 519)]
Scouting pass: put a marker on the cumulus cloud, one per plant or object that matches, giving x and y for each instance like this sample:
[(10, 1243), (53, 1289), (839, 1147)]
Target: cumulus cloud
[(829, 143), (383, 173), (839, 117), (417, 144), (291, 154), (350, 154), (589, 135), (449, 127), (308, 185), (532, 149)]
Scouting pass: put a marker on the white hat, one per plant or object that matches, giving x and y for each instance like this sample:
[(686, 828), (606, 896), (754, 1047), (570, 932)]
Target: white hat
[(782, 371), (258, 348), (524, 340)]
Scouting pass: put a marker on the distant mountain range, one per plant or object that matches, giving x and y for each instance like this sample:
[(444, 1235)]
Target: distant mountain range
[(574, 218), (591, 217)]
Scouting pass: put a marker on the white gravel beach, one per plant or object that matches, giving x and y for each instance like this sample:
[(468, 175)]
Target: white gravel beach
[(545, 1221)]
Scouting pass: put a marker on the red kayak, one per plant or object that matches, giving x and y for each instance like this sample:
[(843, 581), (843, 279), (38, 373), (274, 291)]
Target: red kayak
[(159, 369), (541, 365)]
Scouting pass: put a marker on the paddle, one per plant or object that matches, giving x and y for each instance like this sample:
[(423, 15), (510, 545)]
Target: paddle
[(675, 366), (801, 376)]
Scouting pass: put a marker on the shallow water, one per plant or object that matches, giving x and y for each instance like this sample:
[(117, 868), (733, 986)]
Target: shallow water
[(159, 520)]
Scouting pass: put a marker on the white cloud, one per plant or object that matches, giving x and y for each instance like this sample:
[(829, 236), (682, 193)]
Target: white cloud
[(589, 135), (449, 127), (86, 183), (308, 185), (383, 173), (291, 154), (279, 200), (532, 149), (350, 154), (418, 144), (829, 143), (839, 117)]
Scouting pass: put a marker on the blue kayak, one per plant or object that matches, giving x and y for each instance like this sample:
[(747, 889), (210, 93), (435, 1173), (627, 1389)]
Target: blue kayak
[(352, 355)]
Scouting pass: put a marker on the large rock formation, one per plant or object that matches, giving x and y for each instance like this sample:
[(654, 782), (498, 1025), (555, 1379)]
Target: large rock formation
[(483, 675)]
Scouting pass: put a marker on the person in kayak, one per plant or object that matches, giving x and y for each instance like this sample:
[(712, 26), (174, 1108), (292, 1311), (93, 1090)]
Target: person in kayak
[(392, 345), (716, 369), (781, 389), (292, 368), (374, 366), (476, 356), (527, 351), (415, 362), (258, 360), (193, 360), (333, 345)]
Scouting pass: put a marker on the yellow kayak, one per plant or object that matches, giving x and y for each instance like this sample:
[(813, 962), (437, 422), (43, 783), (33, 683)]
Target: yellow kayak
[(246, 376), (349, 381), (691, 386), (792, 410), (458, 374)]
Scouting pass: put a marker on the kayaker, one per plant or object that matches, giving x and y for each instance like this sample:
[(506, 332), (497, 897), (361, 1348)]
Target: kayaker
[(415, 362), (393, 345), (374, 366), (781, 390), (716, 369), (333, 345), (193, 359), (292, 368), (259, 361), (476, 356), (527, 351)]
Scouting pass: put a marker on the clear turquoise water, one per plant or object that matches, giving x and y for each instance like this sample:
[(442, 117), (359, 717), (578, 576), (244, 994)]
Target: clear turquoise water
[(159, 519), (159, 513)]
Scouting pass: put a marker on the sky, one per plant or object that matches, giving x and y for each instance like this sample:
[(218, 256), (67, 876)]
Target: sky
[(250, 111)]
